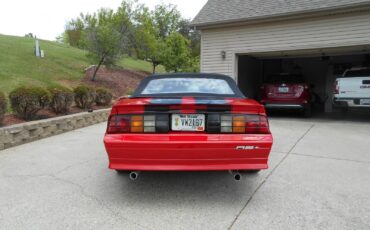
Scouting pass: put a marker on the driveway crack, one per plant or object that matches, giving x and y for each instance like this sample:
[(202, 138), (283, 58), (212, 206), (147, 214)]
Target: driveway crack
[(331, 158), (268, 176)]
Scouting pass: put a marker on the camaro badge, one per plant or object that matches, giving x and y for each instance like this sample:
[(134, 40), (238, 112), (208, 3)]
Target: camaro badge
[(246, 147)]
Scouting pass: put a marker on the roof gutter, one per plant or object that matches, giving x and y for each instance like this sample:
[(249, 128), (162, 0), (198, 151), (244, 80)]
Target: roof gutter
[(365, 6)]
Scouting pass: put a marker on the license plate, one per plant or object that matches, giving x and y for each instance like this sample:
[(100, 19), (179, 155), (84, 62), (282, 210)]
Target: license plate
[(283, 89), (188, 122), (365, 102)]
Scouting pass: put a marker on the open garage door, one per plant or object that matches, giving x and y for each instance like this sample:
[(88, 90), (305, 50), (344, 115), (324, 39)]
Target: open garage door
[(318, 68)]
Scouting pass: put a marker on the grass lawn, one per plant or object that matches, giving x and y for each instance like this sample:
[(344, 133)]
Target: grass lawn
[(19, 66), (62, 64), (130, 63)]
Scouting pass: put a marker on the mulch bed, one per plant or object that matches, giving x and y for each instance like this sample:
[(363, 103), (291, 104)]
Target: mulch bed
[(119, 81)]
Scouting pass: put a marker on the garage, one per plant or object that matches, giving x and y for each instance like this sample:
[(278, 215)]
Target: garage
[(318, 68), (252, 40)]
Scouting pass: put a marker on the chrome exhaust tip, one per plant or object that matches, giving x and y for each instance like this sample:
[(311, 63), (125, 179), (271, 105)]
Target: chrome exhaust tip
[(133, 175), (236, 175)]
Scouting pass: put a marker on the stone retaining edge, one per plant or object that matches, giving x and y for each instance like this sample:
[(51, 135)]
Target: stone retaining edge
[(19, 134)]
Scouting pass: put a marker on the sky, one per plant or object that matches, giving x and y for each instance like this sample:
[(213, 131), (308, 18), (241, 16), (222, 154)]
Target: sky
[(47, 18)]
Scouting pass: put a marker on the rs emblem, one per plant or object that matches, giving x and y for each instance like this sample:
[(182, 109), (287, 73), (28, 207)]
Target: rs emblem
[(246, 147)]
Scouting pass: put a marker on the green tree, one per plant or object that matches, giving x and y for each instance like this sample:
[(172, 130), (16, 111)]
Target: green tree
[(105, 34), (176, 55), (193, 35), (148, 44), (103, 40), (74, 32), (152, 29), (193, 65), (166, 19), (150, 48)]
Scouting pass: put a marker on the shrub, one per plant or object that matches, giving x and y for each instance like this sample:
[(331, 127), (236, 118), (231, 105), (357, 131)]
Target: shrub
[(61, 99), (103, 96), (84, 96), (3, 106), (130, 91), (26, 101)]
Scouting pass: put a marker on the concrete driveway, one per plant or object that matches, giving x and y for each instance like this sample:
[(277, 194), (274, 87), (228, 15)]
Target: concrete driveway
[(319, 178)]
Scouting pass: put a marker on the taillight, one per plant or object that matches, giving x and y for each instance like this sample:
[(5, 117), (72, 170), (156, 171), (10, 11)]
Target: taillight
[(119, 124), (137, 124), (257, 124), (251, 124), (298, 90), (216, 123), (336, 87)]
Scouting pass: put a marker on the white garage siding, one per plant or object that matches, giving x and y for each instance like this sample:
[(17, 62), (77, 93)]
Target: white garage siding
[(310, 33)]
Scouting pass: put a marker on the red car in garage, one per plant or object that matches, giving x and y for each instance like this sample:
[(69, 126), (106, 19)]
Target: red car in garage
[(287, 92), (187, 122)]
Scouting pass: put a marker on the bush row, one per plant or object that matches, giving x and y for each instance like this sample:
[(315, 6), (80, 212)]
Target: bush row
[(26, 101), (3, 106)]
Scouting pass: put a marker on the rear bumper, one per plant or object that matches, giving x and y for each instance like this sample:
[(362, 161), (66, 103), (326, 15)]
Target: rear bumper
[(349, 102), (188, 152), (284, 106)]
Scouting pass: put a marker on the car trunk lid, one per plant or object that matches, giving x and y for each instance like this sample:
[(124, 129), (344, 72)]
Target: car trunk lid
[(284, 90), (187, 105)]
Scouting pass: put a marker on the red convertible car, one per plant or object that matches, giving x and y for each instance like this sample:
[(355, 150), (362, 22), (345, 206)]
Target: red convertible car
[(187, 122)]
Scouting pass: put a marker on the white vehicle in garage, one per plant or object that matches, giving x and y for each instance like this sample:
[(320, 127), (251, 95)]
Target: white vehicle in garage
[(353, 89)]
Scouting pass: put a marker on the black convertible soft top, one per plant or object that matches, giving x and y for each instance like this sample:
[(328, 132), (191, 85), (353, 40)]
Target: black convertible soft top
[(237, 93)]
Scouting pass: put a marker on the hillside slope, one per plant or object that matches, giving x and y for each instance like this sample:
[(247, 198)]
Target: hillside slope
[(62, 64)]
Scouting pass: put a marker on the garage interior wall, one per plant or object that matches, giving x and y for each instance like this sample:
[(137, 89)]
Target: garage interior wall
[(319, 72), (249, 78)]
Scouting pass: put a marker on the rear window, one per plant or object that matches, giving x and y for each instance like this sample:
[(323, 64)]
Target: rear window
[(285, 78), (358, 73), (187, 86)]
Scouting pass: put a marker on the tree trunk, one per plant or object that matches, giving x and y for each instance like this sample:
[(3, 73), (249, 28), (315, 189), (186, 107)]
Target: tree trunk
[(97, 68), (154, 67), (153, 72), (155, 64)]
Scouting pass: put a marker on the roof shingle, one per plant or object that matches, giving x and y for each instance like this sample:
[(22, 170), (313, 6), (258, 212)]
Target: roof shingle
[(222, 11)]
